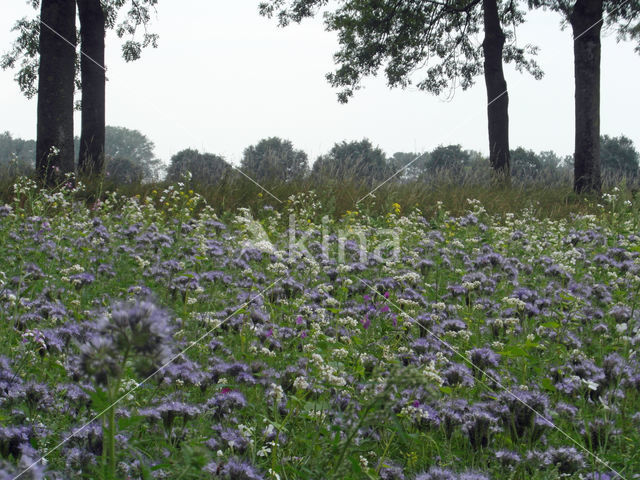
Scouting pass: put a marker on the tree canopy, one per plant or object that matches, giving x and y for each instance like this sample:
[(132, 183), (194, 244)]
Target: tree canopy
[(24, 52), (204, 168), (431, 44), (274, 159), (16, 155), (125, 144), (618, 157), (358, 161)]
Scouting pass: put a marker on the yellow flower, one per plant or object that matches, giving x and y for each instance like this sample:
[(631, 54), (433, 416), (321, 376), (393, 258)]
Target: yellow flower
[(396, 207)]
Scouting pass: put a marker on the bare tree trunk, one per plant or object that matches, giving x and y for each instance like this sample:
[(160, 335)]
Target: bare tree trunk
[(586, 22), (498, 98), (92, 34), (54, 145)]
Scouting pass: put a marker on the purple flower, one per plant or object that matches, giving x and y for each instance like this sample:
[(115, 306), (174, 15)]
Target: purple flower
[(224, 403), (11, 439), (478, 424), (390, 471), (472, 476), (234, 470), (100, 359), (457, 374), (566, 459), (169, 411), (520, 413), (81, 279), (437, 473), (508, 458), (599, 432), (484, 358), (234, 439)]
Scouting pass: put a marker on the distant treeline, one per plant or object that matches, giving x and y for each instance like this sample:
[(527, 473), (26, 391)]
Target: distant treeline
[(130, 159)]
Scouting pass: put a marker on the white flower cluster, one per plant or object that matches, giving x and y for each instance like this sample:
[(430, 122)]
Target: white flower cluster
[(327, 372), (472, 285), (409, 277), (275, 392), (430, 372), (301, 383), (514, 303), (415, 414), (348, 322)]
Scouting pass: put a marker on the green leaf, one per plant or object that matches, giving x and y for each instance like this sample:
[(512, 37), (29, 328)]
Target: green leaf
[(355, 465), (551, 324), (547, 384), (99, 399), (514, 351)]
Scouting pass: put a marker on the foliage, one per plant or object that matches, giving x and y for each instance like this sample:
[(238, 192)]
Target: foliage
[(200, 168), (17, 156), (622, 17), (122, 171), (123, 147), (24, 53), (353, 160), (618, 156), (341, 356), (130, 156), (450, 158), (437, 39), (531, 165), (409, 165), (274, 160)]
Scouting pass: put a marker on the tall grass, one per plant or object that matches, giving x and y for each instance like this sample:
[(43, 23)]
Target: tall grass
[(548, 194)]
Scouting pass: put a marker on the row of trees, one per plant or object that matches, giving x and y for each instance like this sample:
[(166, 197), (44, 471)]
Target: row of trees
[(130, 158), (273, 161), (435, 38), (402, 37)]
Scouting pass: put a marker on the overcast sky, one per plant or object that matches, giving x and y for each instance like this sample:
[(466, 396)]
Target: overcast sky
[(223, 78)]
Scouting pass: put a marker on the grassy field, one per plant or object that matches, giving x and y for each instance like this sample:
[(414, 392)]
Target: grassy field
[(491, 335)]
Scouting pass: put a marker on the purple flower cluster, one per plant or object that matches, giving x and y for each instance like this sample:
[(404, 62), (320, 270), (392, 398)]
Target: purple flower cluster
[(323, 363)]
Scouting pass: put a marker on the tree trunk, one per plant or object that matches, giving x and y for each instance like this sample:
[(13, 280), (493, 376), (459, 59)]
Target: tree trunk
[(498, 98), (92, 35), (586, 22), (54, 145)]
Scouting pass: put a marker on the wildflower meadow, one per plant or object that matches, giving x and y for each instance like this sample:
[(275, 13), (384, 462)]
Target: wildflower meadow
[(163, 337)]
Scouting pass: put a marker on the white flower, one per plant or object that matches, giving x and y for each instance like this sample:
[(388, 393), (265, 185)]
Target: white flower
[(621, 328), (301, 383), (591, 385)]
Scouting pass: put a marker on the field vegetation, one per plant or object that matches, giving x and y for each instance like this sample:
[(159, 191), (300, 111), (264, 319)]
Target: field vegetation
[(159, 334)]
